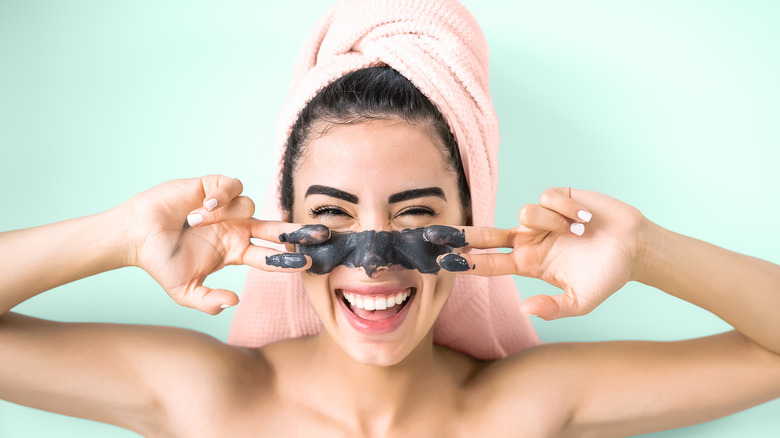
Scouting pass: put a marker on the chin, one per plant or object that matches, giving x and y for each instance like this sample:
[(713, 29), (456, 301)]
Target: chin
[(377, 354), (379, 320)]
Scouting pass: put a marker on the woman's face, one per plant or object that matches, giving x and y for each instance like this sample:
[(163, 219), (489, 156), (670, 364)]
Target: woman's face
[(382, 175)]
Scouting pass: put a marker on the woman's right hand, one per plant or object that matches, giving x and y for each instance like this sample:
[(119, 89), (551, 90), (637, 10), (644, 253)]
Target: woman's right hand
[(182, 231)]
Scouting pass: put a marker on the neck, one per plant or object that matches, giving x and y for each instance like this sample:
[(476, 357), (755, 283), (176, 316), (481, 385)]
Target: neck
[(373, 397)]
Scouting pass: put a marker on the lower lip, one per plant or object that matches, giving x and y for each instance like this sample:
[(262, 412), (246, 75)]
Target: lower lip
[(377, 327)]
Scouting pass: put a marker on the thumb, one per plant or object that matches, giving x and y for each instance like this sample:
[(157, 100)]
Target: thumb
[(549, 307), (211, 301)]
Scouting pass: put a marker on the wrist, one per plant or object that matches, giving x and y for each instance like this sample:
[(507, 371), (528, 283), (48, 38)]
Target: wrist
[(650, 253), (120, 245)]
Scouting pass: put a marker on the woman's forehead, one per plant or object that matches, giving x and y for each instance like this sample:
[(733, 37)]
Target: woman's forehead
[(373, 151)]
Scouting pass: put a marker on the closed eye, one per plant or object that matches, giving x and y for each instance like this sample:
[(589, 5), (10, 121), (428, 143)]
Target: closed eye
[(327, 211), (417, 211)]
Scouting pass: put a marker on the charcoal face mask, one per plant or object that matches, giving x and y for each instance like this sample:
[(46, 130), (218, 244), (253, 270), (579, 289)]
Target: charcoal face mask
[(374, 249)]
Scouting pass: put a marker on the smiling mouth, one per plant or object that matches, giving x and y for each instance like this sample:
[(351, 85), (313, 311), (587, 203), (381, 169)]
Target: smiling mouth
[(377, 307)]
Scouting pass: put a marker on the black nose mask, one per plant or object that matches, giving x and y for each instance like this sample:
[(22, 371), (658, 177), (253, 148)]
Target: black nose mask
[(372, 250)]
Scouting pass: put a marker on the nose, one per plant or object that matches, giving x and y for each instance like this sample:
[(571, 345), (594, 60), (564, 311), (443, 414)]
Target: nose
[(374, 251)]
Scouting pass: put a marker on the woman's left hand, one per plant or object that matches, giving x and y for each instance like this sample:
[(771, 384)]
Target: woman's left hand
[(586, 243)]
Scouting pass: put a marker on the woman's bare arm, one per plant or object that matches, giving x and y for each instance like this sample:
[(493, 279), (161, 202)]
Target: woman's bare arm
[(670, 385), (744, 291), (110, 373), (147, 379), (37, 259), (627, 388), (631, 388)]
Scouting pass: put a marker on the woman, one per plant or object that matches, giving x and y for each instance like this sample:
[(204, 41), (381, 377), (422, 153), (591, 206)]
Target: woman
[(362, 376), (353, 380)]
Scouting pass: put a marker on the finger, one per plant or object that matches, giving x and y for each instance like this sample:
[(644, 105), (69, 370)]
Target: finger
[(238, 208), (473, 237), (219, 190), (564, 201), (207, 300), (486, 265), (549, 307), (540, 218), (271, 260), (285, 232)]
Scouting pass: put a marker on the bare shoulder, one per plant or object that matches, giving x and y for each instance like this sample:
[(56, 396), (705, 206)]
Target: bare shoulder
[(523, 394), (205, 381)]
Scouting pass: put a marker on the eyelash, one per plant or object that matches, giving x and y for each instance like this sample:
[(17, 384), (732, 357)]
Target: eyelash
[(418, 211), (336, 211), (327, 211)]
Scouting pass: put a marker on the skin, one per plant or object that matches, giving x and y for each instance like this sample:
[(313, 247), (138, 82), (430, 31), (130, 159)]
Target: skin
[(165, 382)]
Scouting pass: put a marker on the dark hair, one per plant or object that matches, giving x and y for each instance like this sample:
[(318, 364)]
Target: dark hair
[(369, 93)]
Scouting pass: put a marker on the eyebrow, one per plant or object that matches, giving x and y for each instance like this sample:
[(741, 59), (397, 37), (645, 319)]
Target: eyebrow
[(416, 193), (330, 191)]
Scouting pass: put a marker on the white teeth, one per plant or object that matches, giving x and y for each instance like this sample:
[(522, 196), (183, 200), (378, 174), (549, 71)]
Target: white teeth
[(376, 302)]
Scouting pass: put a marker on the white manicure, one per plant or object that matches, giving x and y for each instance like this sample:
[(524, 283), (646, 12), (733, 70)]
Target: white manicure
[(577, 228), (584, 215), (210, 204), (225, 306), (194, 219)]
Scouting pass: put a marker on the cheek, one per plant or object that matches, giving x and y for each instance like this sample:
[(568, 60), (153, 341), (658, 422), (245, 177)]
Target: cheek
[(318, 291), (438, 289), (444, 283)]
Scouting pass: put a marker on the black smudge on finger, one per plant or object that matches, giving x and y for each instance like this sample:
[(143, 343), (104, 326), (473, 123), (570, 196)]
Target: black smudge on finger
[(445, 235), (455, 263), (286, 260), (307, 235)]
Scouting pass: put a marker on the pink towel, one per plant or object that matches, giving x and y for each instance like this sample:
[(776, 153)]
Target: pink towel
[(440, 48)]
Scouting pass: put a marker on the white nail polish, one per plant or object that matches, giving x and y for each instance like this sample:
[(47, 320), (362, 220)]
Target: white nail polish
[(584, 215), (194, 219), (225, 306), (210, 204), (577, 228)]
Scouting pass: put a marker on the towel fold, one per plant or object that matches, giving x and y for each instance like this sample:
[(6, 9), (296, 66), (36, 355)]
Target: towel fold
[(440, 48)]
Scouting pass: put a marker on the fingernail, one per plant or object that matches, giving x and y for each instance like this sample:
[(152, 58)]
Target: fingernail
[(307, 235), (194, 219), (577, 228), (225, 306), (532, 314), (210, 204), (288, 260), (444, 235), (455, 263), (584, 215)]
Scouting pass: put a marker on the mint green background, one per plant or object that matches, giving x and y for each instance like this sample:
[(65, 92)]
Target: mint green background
[(672, 106)]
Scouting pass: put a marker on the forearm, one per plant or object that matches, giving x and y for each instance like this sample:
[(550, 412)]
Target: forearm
[(743, 290), (38, 259)]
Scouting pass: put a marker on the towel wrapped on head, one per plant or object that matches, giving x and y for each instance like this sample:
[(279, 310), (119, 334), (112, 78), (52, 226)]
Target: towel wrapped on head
[(440, 48)]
